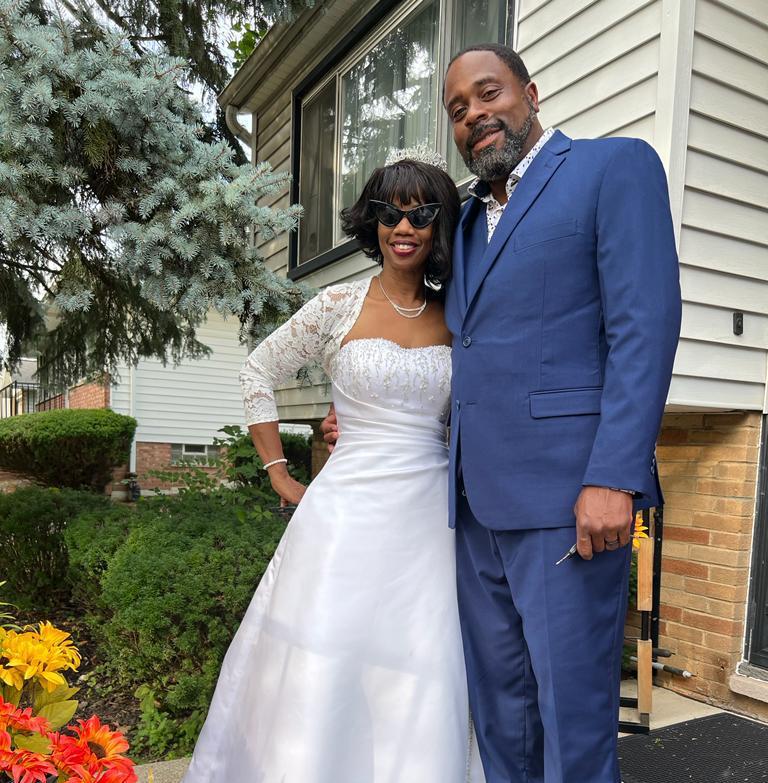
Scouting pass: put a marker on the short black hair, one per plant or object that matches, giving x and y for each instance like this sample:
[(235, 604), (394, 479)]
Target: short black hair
[(506, 54), (406, 181)]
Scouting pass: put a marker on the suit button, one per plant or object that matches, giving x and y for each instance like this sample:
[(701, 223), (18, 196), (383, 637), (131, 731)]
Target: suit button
[(467, 341)]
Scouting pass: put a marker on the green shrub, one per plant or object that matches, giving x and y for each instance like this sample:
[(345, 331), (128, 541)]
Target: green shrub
[(66, 448), (32, 521), (176, 589), (91, 539), (243, 466)]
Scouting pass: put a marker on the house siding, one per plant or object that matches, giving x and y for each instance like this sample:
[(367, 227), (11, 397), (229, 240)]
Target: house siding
[(691, 78), (190, 402), (723, 235), (601, 70)]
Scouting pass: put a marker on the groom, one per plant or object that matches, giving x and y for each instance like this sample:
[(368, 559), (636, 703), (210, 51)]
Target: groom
[(565, 310)]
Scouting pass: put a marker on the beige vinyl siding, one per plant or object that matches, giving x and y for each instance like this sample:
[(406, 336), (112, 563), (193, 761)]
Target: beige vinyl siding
[(190, 402), (595, 63), (691, 78), (296, 401), (724, 221), (600, 67), (273, 145)]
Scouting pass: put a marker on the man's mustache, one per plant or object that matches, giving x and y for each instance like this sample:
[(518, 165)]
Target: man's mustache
[(482, 130)]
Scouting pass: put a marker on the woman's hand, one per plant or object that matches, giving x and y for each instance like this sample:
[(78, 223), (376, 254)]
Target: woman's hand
[(289, 490)]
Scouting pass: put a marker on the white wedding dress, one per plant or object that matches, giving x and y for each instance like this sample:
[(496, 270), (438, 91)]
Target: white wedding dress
[(348, 665)]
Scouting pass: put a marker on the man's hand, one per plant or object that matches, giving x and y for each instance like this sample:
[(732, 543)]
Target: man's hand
[(330, 429), (603, 520)]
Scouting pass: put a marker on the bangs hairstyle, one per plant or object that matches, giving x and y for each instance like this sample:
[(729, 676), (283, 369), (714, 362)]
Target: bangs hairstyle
[(406, 181)]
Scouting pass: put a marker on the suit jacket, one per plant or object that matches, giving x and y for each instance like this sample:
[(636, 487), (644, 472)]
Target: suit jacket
[(563, 350)]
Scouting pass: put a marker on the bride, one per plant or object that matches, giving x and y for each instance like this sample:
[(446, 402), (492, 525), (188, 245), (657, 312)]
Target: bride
[(348, 665)]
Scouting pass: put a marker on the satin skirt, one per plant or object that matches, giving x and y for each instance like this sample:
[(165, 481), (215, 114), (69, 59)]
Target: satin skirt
[(348, 665)]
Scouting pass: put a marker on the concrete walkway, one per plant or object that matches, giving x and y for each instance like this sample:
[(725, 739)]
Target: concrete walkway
[(163, 771), (668, 708)]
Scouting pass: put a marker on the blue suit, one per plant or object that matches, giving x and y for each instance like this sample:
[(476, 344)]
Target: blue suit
[(565, 328)]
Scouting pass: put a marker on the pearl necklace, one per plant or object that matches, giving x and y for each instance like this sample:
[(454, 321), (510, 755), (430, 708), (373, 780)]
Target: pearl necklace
[(405, 312)]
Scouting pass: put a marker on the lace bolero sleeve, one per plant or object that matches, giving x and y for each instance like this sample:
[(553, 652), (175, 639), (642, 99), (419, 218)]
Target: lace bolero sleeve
[(314, 332)]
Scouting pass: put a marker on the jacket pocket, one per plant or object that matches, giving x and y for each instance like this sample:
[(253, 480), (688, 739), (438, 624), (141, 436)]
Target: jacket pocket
[(566, 402), (535, 235)]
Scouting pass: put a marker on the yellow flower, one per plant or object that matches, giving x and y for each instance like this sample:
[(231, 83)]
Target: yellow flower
[(639, 531), (39, 654)]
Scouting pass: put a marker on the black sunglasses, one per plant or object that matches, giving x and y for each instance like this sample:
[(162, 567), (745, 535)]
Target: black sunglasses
[(419, 217)]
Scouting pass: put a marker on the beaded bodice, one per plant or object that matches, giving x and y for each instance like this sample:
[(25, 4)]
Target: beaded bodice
[(372, 370), (379, 371)]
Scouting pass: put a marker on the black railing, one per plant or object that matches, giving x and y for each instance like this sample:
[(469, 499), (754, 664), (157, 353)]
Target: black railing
[(17, 398)]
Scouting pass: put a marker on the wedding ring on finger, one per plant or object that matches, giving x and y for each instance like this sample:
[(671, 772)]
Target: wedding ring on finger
[(613, 544)]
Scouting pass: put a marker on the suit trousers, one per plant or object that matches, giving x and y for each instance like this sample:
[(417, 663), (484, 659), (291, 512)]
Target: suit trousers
[(543, 646)]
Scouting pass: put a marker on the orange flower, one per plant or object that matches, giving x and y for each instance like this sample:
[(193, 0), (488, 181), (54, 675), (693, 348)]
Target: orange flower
[(639, 530), (25, 766), (68, 756), (21, 720), (105, 776), (95, 752)]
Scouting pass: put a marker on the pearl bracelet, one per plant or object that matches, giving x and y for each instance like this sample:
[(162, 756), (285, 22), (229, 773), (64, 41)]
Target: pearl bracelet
[(275, 462)]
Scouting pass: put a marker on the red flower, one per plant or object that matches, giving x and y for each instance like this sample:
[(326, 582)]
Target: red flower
[(21, 720), (25, 766), (93, 754), (68, 756)]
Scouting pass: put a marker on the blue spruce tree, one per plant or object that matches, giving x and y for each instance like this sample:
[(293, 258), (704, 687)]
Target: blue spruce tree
[(120, 226)]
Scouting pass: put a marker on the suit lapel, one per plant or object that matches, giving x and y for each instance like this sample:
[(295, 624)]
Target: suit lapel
[(527, 191), (463, 248)]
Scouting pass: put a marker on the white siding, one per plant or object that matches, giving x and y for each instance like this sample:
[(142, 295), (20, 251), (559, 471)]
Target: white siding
[(595, 63), (190, 402), (297, 402), (600, 67), (724, 221), (691, 78)]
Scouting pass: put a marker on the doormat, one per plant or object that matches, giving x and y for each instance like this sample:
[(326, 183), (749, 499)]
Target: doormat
[(714, 749)]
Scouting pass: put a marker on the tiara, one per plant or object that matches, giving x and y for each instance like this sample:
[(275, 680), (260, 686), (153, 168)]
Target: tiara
[(420, 153)]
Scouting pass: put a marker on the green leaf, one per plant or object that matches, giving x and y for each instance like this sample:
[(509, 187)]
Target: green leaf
[(37, 743), (10, 695), (44, 698), (59, 713)]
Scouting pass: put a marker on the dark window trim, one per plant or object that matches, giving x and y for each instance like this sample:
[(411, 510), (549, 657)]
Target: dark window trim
[(334, 57), (758, 589), (363, 28), (297, 271)]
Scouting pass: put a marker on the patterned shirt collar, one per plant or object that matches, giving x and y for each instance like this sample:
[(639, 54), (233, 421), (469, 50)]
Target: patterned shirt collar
[(482, 190)]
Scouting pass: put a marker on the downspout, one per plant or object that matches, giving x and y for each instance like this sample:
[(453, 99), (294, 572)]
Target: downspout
[(240, 131), (132, 412), (247, 137)]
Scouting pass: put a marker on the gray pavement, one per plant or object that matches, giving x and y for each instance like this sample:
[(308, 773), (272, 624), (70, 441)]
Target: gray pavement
[(668, 708)]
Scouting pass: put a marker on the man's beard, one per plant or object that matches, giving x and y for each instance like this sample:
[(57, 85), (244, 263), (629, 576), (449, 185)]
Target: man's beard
[(491, 163)]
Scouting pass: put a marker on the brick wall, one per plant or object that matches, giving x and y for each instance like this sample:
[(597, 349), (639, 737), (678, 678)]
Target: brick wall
[(51, 404), (94, 394), (157, 456), (708, 467)]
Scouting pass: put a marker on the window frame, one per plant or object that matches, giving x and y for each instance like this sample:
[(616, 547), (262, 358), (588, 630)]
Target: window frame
[(364, 37), (205, 458)]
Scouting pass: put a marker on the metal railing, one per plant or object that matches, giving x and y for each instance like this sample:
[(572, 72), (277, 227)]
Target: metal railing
[(17, 398)]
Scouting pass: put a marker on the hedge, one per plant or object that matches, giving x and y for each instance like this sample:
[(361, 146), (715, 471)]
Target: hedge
[(32, 521), (66, 448)]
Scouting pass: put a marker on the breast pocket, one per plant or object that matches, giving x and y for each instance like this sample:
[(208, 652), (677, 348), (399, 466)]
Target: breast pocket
[(529, 236)]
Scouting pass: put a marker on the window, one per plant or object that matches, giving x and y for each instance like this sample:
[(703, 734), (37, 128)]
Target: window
[(384, 95), (186, 453), (317, 164)]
